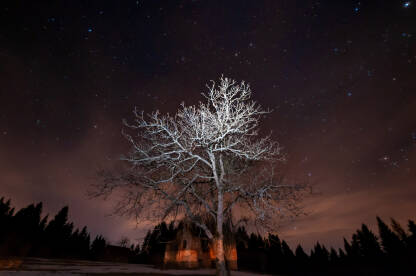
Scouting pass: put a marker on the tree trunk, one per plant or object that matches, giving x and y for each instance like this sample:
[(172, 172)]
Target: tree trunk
[(221, 264), (219, 243)]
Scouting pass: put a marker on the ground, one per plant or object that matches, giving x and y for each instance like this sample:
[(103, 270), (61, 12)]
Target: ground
[(40, 267)]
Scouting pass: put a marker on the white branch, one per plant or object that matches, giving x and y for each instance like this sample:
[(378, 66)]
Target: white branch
[(201, 156)]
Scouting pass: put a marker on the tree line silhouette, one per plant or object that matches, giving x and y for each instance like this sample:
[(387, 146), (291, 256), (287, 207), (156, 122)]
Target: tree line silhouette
[(26, 233), (392, 251)]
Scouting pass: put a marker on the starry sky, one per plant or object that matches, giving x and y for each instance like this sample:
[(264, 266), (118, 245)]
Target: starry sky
[(339, 75)]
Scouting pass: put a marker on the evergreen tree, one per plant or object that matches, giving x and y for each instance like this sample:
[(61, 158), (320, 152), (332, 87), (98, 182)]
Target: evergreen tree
[(355, 253), (4, 208), (333, 256), (369, 247), (79, 245), (25, 233), (288, 259), (325, 254), (341, 254), (348, 249), (274, 245), (154, 244), (389, 240), (398, 229), (146, 244), (412, 237), (58, 234), (255, 242), (136, 249), (98, 247), (241, 238), (319, 256), (85, 241), (25, 230), (74, 244), (300, 253), (274, 253), (302, 259), (286, 251), (412, 228)]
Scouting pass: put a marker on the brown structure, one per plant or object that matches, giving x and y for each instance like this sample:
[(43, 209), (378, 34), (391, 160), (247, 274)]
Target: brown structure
[(190, 250)]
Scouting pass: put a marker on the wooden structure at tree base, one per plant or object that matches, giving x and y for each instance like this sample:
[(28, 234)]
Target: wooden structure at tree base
[(190, 250)]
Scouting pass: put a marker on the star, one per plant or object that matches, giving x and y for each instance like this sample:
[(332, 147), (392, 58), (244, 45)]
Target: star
[(407, 4), (384, 158)]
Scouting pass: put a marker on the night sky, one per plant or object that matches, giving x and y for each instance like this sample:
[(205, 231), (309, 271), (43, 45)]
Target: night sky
[(339, 75)]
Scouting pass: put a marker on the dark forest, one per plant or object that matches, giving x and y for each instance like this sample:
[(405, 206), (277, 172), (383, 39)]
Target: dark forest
[(25, 233)]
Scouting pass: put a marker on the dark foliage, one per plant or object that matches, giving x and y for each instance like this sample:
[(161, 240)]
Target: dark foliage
[(98, 246), (390, 253), (26, 234), (154, 244)]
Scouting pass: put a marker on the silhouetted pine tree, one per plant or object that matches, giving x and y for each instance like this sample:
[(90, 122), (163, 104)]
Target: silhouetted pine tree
[(85, 240), (369, 247), (347, 247), (288, 260), (136, 249), (355, 253), (274, 253), (154, 244), (333, 255), (257, 249), (25, 230), (135, 256), (398, 229), (302, 259), (146, 247), (341, 255), (98, 247), (300, 253), (412, 228), (391, 243), (350, 253), (241, 238), (5, 208), (319, 257), (255, 242), (42, 249), (412, 237), (38, 227), (80, 244), (74, 244), (58, 234), (325, 253), (25, 233)]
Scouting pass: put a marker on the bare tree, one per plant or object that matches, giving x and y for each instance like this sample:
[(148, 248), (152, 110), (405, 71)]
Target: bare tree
[(206, 160), (124, 242)]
